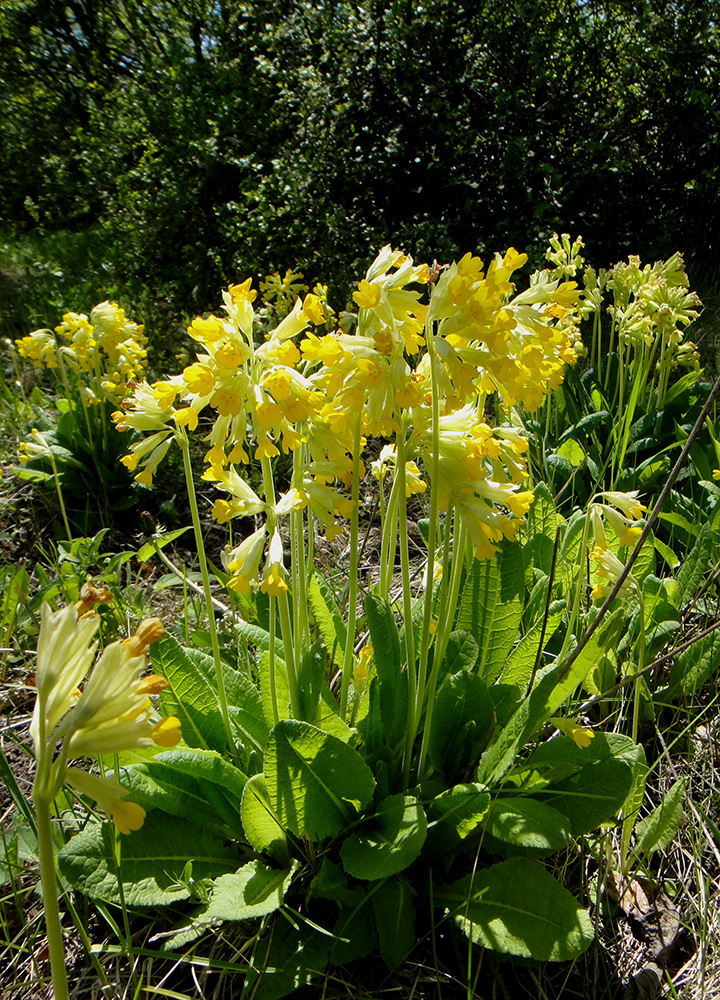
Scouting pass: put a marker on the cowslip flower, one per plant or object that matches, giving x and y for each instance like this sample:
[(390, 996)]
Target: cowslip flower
[(582, 736), (110, 797), (112, 713), (610, 568)]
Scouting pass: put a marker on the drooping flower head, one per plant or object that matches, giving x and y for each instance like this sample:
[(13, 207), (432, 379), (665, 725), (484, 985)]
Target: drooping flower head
[(111, 713)]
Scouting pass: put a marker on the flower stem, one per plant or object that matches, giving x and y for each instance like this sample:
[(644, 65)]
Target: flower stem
[(352, 584), (48, 879), (413, 719), (60, 497), (220, 683)]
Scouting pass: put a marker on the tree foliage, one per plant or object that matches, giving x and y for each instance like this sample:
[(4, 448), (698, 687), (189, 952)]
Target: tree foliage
[(218, 138)]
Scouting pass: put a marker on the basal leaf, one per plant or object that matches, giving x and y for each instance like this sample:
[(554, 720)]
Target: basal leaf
[(253, 891), (327, 617), (189, 783), (317, 783), (245, 704), (190, 695), (461, 722), (282, 691), (589, 785), (262, 828), (385, 639), (693, 667), (389, 843), (394, 908), (285, 959), (519, 664), (152, 862), (526, 822), (518, 908), (491, 607), (456, 814), (657, 831)]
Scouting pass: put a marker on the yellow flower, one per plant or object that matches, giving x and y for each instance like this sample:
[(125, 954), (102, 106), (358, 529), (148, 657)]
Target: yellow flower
[(207, 331), (112, 713), (368, 294), (312, 307), (580, 734), (110, 796), (66, 647), (628, 503), (273, 581), (243, 292), (199, 379), (362, 667)]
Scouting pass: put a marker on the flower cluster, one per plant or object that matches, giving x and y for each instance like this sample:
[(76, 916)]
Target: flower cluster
[(318, 395), (112, 712), (653, 305), (622, 513), (105, 352)]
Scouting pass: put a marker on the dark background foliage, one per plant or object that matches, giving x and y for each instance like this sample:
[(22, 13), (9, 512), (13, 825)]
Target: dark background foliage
[(161, 150)]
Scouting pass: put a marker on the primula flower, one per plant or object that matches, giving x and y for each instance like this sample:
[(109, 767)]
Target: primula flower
[(628, 503), (110, 797), (610, 568), (580, 734), (273, 581), (39, 347), (112, 713)]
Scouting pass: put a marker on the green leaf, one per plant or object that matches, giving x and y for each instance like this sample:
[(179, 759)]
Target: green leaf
[(658, 830), (282, 691), (254, 634), (519, 664), (310, 680), (570, 554), (189, 783), (518, 908), (555, 686), (589, 785), (390, 843), (159, 541), (327, 617), (462, 717), (253, 891), (456, 814), (391, 680), (385, 639), (331, 882), (394, 908), (285, 959), (317, 783), (585, 426), (355, 932), (152, 863), (30, 475), (573, 452), (695, 565), (542, 524), (245, 704), (693, 667), (492, 606), (461, 653), (666, 552), (526, 822), (262, 827), (190, 695)]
